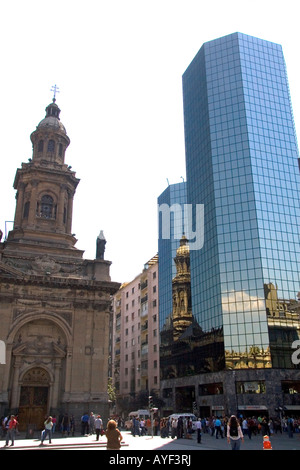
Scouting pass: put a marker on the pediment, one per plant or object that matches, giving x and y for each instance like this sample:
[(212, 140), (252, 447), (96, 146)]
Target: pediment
[(6, 269), (33, 349)]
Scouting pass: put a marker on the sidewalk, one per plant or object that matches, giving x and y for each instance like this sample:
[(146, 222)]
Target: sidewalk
[(131, 443)]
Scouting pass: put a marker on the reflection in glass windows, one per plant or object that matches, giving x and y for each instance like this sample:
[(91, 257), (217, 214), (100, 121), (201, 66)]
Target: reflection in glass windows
[(251, 387)]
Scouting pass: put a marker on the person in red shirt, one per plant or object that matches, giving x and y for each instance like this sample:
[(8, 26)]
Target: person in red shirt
[(11, 430)]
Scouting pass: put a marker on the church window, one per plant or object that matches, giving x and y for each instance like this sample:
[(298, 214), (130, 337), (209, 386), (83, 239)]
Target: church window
[(60, 150), (47, 207), (51, 146), (26, 210), (41, 146)]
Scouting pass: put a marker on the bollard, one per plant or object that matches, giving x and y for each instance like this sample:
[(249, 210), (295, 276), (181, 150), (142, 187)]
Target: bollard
[(267, 443)]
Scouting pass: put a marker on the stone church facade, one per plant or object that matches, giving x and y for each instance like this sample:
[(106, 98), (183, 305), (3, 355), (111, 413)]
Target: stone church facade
[(55, 306)]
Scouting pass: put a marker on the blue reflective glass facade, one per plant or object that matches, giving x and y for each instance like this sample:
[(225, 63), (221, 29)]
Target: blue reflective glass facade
[(174, 194), (242, 164)]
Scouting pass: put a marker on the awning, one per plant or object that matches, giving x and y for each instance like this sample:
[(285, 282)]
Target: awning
[(291, 407), (252, 407)]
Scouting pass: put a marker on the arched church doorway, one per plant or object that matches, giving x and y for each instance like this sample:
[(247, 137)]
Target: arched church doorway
[(34, 397)]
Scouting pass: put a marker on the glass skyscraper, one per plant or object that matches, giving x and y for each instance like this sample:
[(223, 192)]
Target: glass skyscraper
[(242, 164)]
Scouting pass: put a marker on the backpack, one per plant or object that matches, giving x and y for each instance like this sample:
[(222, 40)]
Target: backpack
[(233, 431)]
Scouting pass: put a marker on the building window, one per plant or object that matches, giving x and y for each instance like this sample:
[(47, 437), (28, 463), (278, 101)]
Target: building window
[(26, 210), (60, 151), (211, 389), (251, 387), (40, 146), (51, 145), (46, 208), (290, 387)]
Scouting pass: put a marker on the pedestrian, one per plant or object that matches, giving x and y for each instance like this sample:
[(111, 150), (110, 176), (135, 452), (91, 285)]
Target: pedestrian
[(65, 425), (234, 433), (180, 428), (113, 435), (142, 427), (135, 426), (218, 428), (98, 427), (92, 423), (199, 428), (156, 426), (149, 427), (54, 423), (173, 428), (11, 430), (290, 427), (72, 425), (245, 427), (84, 424), (48, 430)]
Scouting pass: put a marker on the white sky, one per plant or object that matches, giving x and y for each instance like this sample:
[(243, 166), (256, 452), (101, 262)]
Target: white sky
[(118, 65)]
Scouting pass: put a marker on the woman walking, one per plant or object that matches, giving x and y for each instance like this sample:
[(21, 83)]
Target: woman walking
[(234, 433)]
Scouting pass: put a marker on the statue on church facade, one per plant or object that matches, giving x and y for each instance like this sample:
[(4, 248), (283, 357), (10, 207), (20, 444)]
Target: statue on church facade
[(101, 242)]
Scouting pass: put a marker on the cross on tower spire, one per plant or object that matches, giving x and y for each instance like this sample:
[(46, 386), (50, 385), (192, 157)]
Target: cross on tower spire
[(55, 90)]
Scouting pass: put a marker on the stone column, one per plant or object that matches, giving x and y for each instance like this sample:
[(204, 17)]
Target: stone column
[(33, 201), (69, 211), (19, 205), (55, 390), (15, 384), (60, 208)]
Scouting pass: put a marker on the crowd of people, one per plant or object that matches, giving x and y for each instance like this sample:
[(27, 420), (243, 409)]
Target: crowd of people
[(90, 424), (215, 426), (180, 428)]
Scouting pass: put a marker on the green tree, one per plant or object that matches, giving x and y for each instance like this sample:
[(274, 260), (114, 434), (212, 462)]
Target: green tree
[(111, 390)]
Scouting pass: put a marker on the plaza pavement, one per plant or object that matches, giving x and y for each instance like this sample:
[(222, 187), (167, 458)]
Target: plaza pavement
[(148, 443)]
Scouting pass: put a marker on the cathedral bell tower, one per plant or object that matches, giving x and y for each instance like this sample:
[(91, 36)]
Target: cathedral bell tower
[(45, 191), (181, 288)]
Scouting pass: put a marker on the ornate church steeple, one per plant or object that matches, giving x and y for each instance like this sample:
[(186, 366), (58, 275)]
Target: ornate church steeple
[(45, 189)]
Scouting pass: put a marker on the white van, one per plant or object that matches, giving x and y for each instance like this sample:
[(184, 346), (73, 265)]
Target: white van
[(185, 416), (137, 414)]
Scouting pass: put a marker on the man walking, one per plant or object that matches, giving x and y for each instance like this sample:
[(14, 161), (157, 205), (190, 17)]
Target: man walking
[(218, 425), (198, 427), (11, 430)]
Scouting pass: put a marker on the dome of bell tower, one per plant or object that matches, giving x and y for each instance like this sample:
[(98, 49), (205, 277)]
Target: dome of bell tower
[(50, 139), (52, 120)]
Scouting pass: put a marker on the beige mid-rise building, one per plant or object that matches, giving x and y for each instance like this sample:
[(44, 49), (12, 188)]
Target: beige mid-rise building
[(136, 336)]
